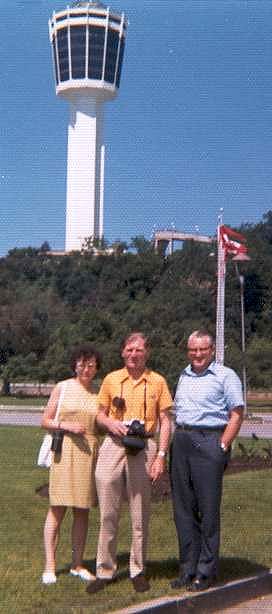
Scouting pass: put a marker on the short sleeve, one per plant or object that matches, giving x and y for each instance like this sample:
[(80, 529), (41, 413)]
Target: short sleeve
[(104, 397), (233, 390), (165, 398)]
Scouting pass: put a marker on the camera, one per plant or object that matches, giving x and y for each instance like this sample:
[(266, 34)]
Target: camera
[(57, 439), (134, 439), (136, 428)]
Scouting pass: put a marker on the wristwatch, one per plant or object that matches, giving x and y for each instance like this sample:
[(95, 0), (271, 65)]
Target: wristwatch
[(223, 447), (162, 453)]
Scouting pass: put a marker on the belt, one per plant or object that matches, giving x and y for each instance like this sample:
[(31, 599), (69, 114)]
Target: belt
[(192, 427)]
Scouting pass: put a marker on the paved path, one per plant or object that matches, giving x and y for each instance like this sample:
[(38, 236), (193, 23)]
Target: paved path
[(13, 416), (261, 429), (262, 604), (247, 595), (20, 418)]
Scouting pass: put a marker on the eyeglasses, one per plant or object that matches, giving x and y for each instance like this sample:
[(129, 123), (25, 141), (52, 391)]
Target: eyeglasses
[(85, 365), (202, 350)]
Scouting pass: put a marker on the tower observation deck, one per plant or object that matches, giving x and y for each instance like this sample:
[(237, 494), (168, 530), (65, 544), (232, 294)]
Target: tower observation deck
[(88, 42)]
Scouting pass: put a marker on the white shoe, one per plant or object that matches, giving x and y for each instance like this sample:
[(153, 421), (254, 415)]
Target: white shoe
[(82, 573), (49, 577)]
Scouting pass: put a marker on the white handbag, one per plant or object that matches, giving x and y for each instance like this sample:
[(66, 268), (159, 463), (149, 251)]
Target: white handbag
[(45, 454)]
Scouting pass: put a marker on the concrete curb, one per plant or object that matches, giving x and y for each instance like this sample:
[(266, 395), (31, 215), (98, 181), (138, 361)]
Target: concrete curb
[(212, 600)]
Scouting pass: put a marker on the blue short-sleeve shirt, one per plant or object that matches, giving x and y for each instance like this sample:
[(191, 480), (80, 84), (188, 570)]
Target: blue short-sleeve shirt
[(206, 399)]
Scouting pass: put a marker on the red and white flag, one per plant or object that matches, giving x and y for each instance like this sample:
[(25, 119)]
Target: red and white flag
[(232, 242)]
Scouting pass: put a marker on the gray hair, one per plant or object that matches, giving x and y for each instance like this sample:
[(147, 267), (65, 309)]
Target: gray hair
[(201, 333), (136, 335)]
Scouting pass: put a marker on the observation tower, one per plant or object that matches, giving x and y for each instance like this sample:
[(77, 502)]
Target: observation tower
[(88, 42)]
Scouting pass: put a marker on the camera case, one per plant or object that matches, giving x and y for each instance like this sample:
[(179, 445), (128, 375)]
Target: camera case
[(57, 439), (134, 439)]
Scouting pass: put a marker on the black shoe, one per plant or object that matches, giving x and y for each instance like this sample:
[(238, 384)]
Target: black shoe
[(97, 585), (140, 583), (201, 584), (182, 581)]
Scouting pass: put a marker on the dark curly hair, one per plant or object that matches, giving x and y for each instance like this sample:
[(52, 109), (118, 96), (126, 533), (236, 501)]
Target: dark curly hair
[(85, 351)]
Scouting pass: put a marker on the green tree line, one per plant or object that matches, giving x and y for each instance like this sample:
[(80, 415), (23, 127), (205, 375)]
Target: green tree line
[(50, 303)]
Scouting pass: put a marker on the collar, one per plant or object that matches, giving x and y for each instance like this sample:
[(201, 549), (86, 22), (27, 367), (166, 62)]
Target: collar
[(124, 375), (210, 369)]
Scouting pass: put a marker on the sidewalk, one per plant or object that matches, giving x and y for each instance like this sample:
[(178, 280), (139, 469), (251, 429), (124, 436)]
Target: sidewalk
[(260, 424), (15, 417), (262, 604), (246, 595)]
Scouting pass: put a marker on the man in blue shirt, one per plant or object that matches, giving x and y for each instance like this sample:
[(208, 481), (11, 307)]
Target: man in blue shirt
[(209, 413)]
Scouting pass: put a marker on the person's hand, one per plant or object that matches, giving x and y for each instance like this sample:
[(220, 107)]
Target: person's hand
[(73, 427), (157, 468), (116, 427)]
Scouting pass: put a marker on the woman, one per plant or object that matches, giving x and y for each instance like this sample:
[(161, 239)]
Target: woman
[(71, 481)]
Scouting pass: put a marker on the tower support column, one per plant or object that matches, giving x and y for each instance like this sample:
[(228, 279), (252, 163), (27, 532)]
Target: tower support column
[(84, 217)]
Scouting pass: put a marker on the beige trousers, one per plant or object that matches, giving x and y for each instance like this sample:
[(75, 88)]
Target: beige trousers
[(119, 474)]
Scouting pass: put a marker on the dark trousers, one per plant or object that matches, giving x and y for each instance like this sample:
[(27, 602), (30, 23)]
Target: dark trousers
[(197, 467)]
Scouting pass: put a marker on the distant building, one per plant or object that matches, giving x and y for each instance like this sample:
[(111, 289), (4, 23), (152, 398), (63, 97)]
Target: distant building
[(88, 42), (166, 238)]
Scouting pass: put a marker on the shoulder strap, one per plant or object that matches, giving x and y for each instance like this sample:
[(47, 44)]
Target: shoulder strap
[(63, 387), (145, 405)]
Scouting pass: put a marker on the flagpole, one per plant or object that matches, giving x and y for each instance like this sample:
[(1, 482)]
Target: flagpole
[(236, 259), (220, 306), (243, 342)]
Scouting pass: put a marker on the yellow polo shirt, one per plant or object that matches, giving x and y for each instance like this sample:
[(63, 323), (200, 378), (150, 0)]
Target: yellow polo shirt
[(151, 387)]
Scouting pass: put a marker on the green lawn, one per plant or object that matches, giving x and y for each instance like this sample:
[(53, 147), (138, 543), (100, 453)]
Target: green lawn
[(246, 538)]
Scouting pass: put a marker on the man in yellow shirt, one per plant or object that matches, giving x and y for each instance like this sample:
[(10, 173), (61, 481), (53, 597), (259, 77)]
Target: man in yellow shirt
[(131, 393)]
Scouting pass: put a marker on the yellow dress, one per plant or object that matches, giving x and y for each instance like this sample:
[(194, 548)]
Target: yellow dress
[(72, 480)]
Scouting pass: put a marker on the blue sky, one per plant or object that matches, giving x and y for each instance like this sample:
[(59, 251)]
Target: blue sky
[(190, 132)]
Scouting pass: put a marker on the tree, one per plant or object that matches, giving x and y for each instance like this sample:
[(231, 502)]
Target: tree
[(45, 247), (91, 244), (141, 245), (48, 304), (119, 247)]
